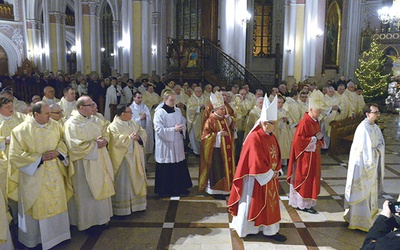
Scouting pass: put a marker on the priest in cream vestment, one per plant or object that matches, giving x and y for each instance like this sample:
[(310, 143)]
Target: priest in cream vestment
[(127, 155), (39, 154), (194, 115), (282, 131), (93, 178), (332, 112), (253, 116), (365, 173), (9, 119), (68, 103)]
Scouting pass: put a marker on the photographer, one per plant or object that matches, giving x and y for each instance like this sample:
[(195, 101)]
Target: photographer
[(381, 234)]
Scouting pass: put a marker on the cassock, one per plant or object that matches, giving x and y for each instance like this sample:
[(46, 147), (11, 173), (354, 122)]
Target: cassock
[(364, 176), (304, 169), (127, 157), (254, 198), (93, 175), (67, 107), (172, 173), (137, 111), (217, 161), (43, 187)]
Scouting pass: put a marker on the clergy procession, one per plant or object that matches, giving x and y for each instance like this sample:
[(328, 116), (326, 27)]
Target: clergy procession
[(81, 159)]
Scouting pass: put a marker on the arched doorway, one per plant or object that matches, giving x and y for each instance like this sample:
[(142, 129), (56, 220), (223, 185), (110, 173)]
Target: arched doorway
[(3, 62)]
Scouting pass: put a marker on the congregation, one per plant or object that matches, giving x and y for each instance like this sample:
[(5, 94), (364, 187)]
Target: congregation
[(82, 146)]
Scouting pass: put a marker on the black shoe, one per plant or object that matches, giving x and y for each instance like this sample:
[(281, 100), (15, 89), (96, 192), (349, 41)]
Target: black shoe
[(278, 237), (308, 210)]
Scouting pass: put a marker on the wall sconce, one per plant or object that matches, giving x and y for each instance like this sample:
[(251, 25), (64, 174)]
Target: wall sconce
[(318, 33), (112, 54), (102, 49), (246, 18), (289, 51), (153, 49)]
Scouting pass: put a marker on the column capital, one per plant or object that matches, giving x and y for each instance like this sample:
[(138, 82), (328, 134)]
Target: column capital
[(57, 17), (93, 8), (32, 23)]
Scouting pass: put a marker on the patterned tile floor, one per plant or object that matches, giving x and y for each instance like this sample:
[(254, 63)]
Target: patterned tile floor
[(201, 222)]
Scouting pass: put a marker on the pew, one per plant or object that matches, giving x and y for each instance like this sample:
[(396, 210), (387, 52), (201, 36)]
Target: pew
[(342, 134)]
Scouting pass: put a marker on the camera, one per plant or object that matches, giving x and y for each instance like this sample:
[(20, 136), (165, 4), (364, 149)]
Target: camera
[(394, 207)]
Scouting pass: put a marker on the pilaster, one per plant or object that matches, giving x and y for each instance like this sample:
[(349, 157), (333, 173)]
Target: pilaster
[(57, 41)]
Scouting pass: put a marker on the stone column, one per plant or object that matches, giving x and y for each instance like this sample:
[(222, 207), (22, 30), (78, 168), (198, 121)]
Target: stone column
[(34, 41), (294, 36), (88, 37), (311, 38), (57, 44), (351, 41)]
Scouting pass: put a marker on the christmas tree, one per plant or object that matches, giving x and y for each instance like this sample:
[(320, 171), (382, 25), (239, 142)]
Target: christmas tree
[(370, 74)]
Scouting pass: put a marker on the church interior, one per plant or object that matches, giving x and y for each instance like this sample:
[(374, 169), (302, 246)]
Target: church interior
[(224, 43)]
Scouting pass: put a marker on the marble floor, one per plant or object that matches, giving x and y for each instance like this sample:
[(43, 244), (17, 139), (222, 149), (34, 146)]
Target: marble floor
[(199, 221)]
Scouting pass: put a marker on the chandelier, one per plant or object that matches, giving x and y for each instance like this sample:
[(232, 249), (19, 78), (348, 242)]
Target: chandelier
[(390, 14)]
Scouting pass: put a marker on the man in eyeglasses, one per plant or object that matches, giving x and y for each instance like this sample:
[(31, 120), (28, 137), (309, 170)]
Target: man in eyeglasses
[(365, 172), (93, 177)]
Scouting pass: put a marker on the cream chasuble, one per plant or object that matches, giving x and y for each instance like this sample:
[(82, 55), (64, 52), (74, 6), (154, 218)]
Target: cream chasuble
[(122, 147), (67, 107), (365, 176), (80, 136), (44, 189), (6, 125)]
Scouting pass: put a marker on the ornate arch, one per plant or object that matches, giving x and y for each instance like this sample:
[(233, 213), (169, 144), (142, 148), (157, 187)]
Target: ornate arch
[(13, 54), (114, 8)]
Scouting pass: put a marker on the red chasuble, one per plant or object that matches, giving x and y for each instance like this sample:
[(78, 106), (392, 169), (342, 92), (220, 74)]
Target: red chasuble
[(305, 165), (260, 153), (212, 126)]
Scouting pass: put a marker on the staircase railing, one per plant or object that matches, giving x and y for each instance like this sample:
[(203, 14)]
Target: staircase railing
[(228, 68)]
